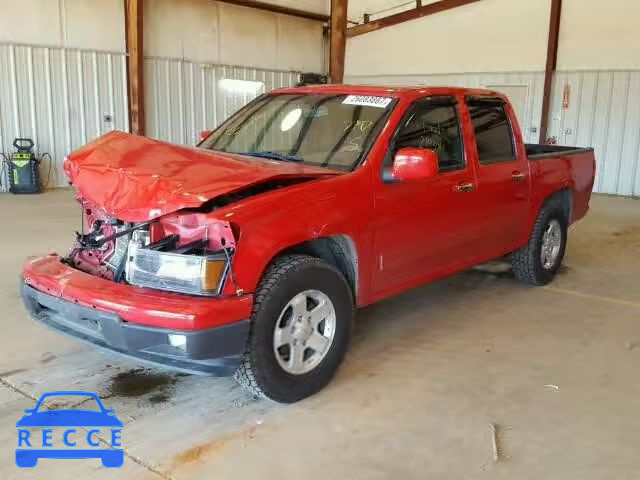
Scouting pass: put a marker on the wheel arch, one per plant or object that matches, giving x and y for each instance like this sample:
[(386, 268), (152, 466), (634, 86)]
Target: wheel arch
[(563, 196), (337, 250)]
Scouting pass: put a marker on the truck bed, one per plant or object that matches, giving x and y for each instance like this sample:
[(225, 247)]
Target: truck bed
[(555, 166), (537, 151)]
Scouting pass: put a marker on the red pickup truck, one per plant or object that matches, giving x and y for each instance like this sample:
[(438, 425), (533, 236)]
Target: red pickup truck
[(250, 253)]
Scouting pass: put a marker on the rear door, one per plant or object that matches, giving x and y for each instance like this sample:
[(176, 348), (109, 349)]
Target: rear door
[(425, 226), (503, 173)]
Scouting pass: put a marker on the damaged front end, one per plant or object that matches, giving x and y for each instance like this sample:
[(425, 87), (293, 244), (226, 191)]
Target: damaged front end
[(182, 252), (154, 231), (146, 209)]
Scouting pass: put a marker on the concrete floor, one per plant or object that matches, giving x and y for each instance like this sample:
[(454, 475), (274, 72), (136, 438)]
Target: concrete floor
[(429, 372)]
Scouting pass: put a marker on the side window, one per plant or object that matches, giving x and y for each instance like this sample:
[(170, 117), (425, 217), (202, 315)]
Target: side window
[(492, 130), (434, 124)]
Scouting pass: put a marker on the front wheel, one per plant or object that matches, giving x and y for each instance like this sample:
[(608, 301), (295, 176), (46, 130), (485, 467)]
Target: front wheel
[(300, 327), (538, 262)]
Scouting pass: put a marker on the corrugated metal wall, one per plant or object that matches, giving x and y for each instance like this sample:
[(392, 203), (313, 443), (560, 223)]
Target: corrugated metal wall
[(603, 112), (61, 98), (184, 98), (64, 98)]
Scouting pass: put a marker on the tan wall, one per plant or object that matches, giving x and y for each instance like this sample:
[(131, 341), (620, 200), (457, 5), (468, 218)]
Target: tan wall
[(491, 35), (500, 35), (598, 35), (92, 25), (210, 32)]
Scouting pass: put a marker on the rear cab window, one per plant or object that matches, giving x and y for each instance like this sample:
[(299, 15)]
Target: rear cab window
[(492, 128)]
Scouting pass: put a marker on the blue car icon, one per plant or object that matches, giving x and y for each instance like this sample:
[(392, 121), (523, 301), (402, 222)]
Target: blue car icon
[(77, 423)]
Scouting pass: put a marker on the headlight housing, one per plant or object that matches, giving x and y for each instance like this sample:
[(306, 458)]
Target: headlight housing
[(175, 272)]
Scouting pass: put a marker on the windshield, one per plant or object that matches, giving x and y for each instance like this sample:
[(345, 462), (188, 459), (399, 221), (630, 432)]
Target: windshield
[(324, 130)]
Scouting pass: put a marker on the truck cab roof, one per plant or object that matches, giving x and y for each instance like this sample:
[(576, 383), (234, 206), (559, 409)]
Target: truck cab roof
[(394, 91)]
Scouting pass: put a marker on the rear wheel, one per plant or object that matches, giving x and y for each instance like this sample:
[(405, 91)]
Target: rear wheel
[(301, 323), (538, 262)]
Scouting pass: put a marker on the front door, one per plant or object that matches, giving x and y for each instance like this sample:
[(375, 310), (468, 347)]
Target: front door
[(424, 226)]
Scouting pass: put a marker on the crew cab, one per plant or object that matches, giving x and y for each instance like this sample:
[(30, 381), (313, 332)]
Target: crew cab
[(250, 253)]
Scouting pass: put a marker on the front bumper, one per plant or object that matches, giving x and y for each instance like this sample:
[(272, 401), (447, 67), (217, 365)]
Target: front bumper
[(216, 351), (142, 306), (137, 321)]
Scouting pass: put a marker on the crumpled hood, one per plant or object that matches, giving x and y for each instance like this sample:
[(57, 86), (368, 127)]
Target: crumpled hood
[(136, 179)]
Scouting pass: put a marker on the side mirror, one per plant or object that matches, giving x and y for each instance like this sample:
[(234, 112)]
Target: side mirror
[(415, 164), (204, 134)]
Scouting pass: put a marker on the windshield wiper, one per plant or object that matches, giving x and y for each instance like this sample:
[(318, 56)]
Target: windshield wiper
[(275, 156)]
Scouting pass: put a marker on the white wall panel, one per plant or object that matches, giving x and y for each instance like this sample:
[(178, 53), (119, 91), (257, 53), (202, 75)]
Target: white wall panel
[(247, 37), (205, 31), (188, 29), (300, 45), (184, 98), (94, 24), (59, 98), (86, 24)]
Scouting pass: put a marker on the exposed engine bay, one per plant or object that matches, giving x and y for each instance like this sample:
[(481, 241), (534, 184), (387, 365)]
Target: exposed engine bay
[(182, 252), (186, 251)]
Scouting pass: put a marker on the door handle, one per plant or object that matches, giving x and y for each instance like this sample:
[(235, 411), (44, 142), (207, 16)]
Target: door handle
[(464, 187), (517, 176)]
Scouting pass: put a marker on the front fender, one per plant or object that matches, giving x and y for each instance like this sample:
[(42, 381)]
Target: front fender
[(262, 240)]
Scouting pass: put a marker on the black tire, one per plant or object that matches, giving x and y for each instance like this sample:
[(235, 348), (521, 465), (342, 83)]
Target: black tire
[(526, 262), (287, 276)]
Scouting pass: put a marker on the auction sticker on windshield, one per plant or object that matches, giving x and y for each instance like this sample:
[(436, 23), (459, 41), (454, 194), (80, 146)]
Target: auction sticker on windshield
[(367, 101)]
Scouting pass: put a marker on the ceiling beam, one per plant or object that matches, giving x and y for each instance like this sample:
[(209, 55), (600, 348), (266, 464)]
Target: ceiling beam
[(133, 13), (294, 12), (550, 67), (423, 11), (337, 40)]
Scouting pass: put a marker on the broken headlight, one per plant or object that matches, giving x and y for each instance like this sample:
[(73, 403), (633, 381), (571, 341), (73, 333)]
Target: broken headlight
[(176, 272)]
